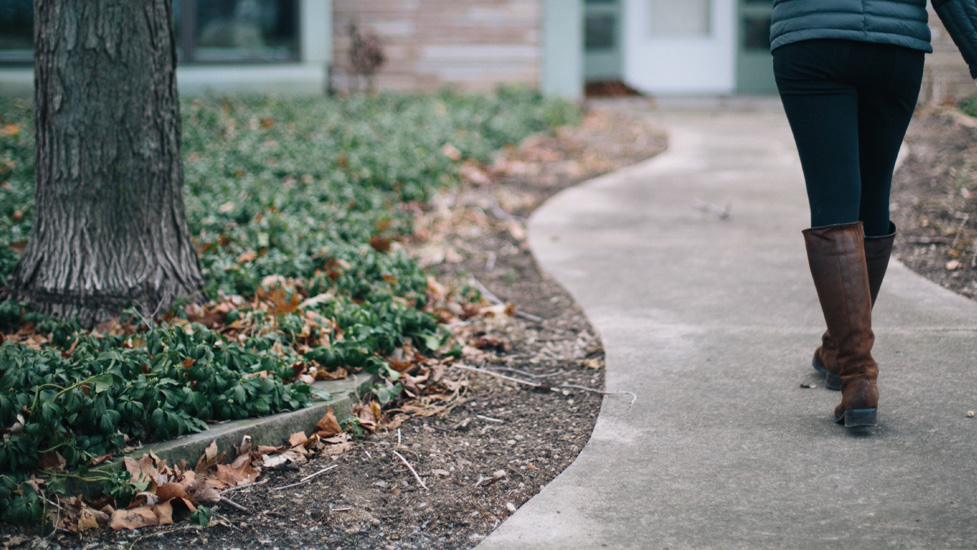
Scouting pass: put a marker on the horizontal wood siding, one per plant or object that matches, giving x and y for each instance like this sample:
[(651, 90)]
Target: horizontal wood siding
[(946, 77), (469, 45)]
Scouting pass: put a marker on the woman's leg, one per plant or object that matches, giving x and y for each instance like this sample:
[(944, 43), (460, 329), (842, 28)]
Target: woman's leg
[(821, 102), (887, 100), (822, 108)]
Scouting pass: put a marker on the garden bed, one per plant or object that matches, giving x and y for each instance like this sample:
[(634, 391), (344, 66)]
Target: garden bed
[(934, 200), (458, 440)]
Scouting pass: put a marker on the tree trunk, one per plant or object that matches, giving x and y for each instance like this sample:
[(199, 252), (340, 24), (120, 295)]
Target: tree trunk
[(109, 223)]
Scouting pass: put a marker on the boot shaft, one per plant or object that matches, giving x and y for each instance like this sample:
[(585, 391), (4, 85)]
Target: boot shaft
[(836, 255), (878, 250)]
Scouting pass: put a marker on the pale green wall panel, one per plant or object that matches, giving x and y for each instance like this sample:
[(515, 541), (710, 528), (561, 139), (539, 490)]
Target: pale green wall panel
[(562, 73)]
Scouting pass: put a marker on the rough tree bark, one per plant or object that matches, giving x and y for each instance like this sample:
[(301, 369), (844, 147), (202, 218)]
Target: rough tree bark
[(109, 225)]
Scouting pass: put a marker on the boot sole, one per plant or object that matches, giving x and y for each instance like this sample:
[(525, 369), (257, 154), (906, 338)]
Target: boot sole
[(859, 418), (832, 381)]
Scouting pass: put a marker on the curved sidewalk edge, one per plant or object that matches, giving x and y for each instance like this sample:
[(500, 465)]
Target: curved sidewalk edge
[(712, 322)]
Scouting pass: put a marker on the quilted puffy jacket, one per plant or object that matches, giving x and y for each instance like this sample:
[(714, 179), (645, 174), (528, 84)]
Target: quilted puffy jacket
[(897, 22)]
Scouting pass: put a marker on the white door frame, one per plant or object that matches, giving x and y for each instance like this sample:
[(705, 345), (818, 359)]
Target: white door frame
[(680, 65)]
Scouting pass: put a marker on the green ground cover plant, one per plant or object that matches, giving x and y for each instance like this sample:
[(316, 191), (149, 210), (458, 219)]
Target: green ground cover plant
[(297, 206), (969, 106)]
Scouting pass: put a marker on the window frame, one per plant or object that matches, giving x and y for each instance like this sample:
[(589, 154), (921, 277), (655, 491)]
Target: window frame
[(186, 43)]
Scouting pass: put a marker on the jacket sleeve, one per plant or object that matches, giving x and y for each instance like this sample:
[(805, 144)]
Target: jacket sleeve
[(960, 19)]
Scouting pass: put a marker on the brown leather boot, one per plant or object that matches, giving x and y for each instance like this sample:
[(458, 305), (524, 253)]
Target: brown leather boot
[(877, 253), (836, 254)]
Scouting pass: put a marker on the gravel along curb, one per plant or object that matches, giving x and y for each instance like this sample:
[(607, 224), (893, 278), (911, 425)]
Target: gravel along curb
[(269, 430)]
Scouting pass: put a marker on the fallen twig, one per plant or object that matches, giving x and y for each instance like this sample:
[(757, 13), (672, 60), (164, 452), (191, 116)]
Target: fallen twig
[(634, 396), (411, 468), (502, 376), (239, 487), (529, 374), (522, 475), (497, 301), (500, 214), (234, 504), (490, 419), (486, 481), (222, 520), (163, 533), (305, 479), (722, 213)]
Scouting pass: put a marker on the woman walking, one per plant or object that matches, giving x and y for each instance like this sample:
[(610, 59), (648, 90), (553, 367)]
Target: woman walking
[(849, 73)]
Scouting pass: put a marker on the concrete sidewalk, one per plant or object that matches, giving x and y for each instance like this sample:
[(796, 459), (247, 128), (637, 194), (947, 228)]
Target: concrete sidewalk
[(712, 324)]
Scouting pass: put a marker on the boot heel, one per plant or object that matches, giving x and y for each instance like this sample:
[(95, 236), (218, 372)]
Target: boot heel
[(857, 418), (832, 381)]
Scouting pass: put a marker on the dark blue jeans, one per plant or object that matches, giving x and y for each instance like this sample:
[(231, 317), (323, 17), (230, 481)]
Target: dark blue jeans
[(849, 104)]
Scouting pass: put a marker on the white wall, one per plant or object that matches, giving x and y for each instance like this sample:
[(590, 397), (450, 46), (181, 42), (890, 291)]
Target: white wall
[(680, 66)]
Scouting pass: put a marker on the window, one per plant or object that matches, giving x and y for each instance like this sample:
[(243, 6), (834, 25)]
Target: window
[(215, 31), (601, 22), (207, 31), (600, 32), (16, 31), (684, 19)]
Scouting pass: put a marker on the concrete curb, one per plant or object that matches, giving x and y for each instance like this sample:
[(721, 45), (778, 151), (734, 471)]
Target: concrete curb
[(270, 430)]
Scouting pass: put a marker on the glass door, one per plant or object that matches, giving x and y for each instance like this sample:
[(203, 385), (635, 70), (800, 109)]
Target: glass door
[(754, 65), (602, 41)]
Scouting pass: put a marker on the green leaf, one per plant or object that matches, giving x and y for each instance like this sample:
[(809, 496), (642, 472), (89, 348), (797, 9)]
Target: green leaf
[(102, 382), (239, 395), (431, 341), (201, 516), (386, 394), (320, 393)]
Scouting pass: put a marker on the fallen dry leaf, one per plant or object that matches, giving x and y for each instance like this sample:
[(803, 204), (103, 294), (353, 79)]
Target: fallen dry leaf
[(204, 493), (171, 490), (142, 470), (52, 461), (247, 257), (292, 456), (328, 425), (209, 459), (87, 520), (133, 519), (10, 129), (233, 477), (164, 513)]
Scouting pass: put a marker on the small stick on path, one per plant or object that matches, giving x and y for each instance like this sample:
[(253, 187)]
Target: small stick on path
[(495, 300), (502, 376), (305, 479), (634, 396), (239, 487), (718, 211), (234, 505), (411, 468)]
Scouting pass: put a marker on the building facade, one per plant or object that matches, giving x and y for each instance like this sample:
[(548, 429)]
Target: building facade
[(658, 47)]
